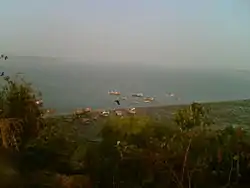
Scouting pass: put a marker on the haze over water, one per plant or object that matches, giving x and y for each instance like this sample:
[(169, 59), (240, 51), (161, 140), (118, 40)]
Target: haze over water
[(179, 33), (68, 85), (190, 48)]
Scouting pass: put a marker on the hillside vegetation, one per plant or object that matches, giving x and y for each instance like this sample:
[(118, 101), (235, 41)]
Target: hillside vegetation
[(185, 151)]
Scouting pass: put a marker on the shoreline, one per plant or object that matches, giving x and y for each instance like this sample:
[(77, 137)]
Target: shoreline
[(223, 114), (148, 109)]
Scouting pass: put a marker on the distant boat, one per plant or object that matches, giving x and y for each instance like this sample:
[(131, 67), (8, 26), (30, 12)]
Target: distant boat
[(18, 73), (118, 113), (105, 113), (114, 92), (132, 111), (137, 95), (135, 102), (148, 99), (124, 98), (170, 94)]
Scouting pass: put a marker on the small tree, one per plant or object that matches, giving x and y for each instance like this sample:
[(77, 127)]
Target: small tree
[(20, 117), (193, 116)]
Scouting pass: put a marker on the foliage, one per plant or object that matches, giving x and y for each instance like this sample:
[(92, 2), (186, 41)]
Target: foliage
[(51, 150), (134, 151), (142, 153), (20, 117), (194, 115)]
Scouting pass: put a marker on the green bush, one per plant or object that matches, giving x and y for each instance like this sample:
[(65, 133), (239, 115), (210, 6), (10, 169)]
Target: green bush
[(134, 151), (138, 152), (20, 117)]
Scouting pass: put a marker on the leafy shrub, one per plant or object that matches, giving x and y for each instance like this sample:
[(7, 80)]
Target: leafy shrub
[(20, 117), (138, 152), (134, 151)]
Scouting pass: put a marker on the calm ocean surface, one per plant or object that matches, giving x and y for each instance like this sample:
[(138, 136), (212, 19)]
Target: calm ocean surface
[(66, 85)]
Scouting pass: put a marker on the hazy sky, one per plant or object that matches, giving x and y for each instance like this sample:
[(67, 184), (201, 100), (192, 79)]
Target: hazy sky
[(165, 31)]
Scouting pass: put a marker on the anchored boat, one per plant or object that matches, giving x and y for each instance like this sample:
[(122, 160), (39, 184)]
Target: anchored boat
[(137, 95), (148, 99), (113, 92)]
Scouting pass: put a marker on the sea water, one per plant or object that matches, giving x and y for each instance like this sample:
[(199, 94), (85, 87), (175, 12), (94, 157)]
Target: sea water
[(67, 85)]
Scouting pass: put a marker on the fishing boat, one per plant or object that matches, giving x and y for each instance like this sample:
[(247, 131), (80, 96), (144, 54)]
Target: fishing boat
[(137, 95), (118, 113), (148, 99), (105, 113), (170, 94), (135, 102), (124, 98), (113, 92), (132, 111)]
